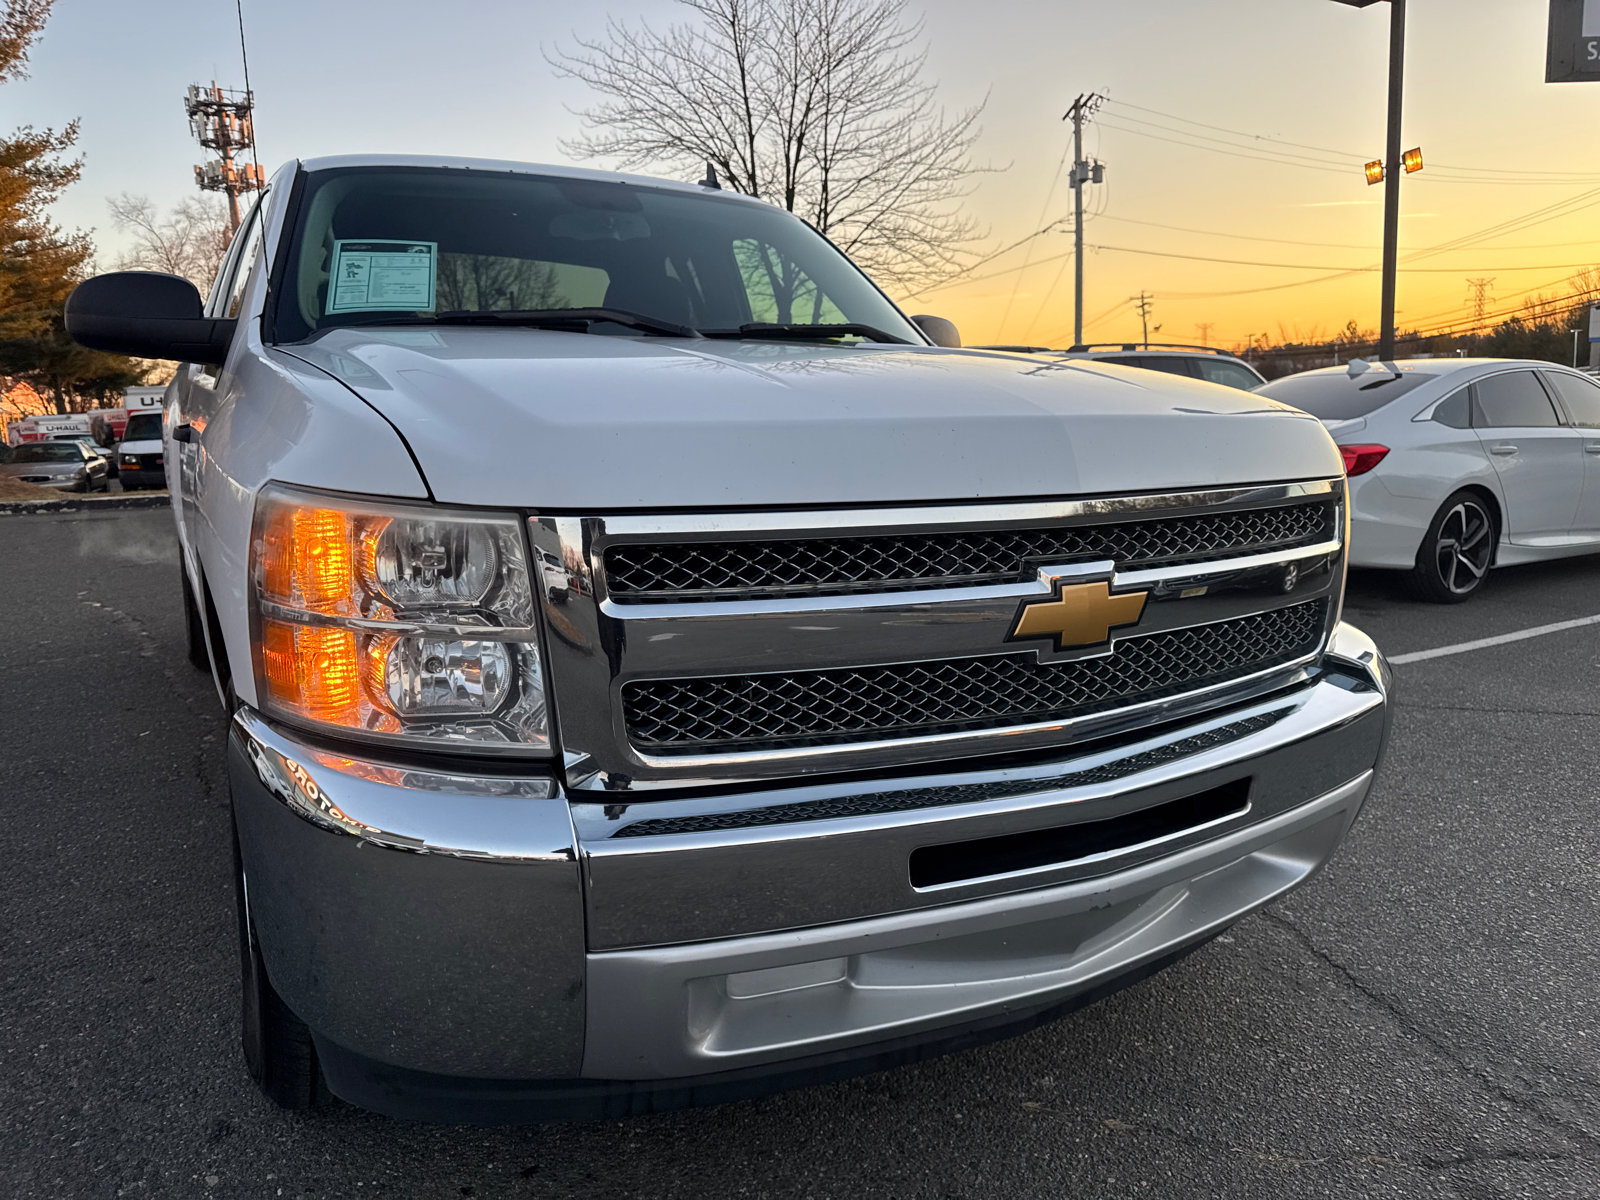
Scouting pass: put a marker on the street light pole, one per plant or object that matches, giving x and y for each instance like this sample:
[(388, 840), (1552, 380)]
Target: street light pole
[(1391, 176), (1392, 169)]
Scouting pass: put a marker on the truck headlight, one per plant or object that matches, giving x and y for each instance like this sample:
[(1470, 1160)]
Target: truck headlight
[(395, 623)]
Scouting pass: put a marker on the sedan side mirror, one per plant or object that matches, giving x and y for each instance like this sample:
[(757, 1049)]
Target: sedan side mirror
[(147, 315), (940, 332)]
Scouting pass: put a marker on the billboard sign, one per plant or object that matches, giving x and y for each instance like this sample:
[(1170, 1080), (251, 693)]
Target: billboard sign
[(1574, 48)]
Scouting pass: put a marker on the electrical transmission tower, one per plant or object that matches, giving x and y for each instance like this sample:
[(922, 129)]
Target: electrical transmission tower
[(220, 120), (1083, 172), (1479, 297), (1204, 329)]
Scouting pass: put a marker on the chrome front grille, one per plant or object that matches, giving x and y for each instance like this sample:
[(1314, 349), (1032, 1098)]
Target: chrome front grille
[(818, 566), (690, 650), (796, 708)]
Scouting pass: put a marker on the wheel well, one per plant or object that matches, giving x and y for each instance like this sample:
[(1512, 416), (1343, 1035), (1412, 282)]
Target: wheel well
[(219, 648), (1477, 489)]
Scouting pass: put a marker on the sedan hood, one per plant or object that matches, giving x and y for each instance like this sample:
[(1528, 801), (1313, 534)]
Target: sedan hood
[(533, 418), (12, 470)]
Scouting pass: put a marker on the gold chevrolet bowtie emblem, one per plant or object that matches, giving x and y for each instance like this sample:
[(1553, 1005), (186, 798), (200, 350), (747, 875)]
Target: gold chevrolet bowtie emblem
[(1080, 614)]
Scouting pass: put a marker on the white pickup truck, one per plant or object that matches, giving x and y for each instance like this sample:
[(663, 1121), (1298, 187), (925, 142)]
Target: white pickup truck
[(658, 673)]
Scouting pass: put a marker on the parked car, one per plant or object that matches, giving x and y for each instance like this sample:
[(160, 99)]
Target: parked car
[(905, 695), (1460, 465), (94, 447), (140, 455), (1196, 362), (555, 577), (68, 465)]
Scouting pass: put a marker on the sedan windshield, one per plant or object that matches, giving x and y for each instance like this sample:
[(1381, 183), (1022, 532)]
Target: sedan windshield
[(48, 452), (392, 245), (1335, 396)]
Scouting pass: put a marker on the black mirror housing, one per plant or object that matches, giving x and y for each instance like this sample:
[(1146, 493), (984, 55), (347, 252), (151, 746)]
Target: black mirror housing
[(940, 331), (147, 315)]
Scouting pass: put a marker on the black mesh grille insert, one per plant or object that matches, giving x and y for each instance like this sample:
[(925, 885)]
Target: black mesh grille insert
[(847, 704), (895, 562)]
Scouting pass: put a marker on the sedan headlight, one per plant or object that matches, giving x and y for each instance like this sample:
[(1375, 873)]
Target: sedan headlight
[(395, 624)]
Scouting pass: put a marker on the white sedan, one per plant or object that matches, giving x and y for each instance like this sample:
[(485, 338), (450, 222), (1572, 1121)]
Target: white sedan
[(1460, 465)]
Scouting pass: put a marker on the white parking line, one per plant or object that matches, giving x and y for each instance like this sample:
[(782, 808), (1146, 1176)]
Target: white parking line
[(1401, 660)]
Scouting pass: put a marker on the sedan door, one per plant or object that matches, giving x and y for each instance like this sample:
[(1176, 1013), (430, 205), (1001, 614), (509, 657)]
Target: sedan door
[(1538, 459), (1580, 396)]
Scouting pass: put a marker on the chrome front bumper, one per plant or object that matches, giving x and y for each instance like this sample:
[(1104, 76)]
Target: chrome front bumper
[(492, 928)]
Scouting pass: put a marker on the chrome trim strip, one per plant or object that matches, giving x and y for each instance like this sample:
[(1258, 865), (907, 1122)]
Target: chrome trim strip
[(1228, 566), (998, 514), (470, 633), (643, 611), (421, 811)]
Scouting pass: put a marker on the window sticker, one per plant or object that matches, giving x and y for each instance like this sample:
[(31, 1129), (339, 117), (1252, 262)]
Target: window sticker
[(373, 276)]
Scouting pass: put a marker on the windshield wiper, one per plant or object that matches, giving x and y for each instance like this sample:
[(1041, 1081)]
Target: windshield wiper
[(766, 331), (574, 320)]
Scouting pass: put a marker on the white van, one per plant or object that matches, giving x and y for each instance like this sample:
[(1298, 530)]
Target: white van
[(141, 461)]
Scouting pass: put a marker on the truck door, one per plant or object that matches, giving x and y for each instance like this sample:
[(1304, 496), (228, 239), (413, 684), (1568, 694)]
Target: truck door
[(197, 386)]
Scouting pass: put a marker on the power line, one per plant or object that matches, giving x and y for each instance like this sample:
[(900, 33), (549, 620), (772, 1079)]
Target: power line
[(1017, 283), (244, 56), (1250, 237), (1244, 262), (1347, 156)]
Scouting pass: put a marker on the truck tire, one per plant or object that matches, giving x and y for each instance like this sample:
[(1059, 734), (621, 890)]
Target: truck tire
[(278, 1050), (1456, 552)]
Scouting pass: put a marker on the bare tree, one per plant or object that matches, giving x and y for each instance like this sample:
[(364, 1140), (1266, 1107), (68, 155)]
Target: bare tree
[(190, 240), (815, 105)]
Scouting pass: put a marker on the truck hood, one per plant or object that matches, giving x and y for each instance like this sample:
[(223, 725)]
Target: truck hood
[(534, 418)]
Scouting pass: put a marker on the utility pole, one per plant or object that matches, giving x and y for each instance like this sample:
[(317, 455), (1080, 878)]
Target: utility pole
[(1145, 304), (1389, 171), (221, 120), (1392, 172), (1204, 329), (1084, 107)]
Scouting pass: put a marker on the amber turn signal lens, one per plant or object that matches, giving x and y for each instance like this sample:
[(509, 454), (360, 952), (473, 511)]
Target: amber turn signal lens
[(311, 670), (308, 558)]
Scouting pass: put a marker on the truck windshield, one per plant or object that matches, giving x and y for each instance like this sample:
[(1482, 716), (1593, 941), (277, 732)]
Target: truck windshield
[(411, 245), (143, 427), (1335, 396)]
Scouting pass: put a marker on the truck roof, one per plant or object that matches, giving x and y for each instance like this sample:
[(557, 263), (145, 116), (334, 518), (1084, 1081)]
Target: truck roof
[(335, 161)]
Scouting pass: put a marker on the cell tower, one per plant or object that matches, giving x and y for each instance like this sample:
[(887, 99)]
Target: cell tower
[(220, 120)]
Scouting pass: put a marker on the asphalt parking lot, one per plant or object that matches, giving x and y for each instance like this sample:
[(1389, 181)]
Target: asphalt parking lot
[(1419, 1021)]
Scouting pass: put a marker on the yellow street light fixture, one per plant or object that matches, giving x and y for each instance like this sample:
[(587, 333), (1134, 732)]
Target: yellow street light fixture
[(1412, 160), (1375, 171)]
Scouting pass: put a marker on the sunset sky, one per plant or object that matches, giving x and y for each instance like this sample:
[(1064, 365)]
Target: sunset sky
[(1197, 88)]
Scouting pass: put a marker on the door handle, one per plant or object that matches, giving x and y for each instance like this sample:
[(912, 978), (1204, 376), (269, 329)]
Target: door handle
[(1502, 448), (183, 433), (1591, 447)]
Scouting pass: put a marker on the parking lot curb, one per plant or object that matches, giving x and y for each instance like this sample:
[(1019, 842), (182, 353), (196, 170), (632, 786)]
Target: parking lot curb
[(19, 508)]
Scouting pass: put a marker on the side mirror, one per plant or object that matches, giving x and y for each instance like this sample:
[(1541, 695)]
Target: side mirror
[(940, 332), (147, 315)]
